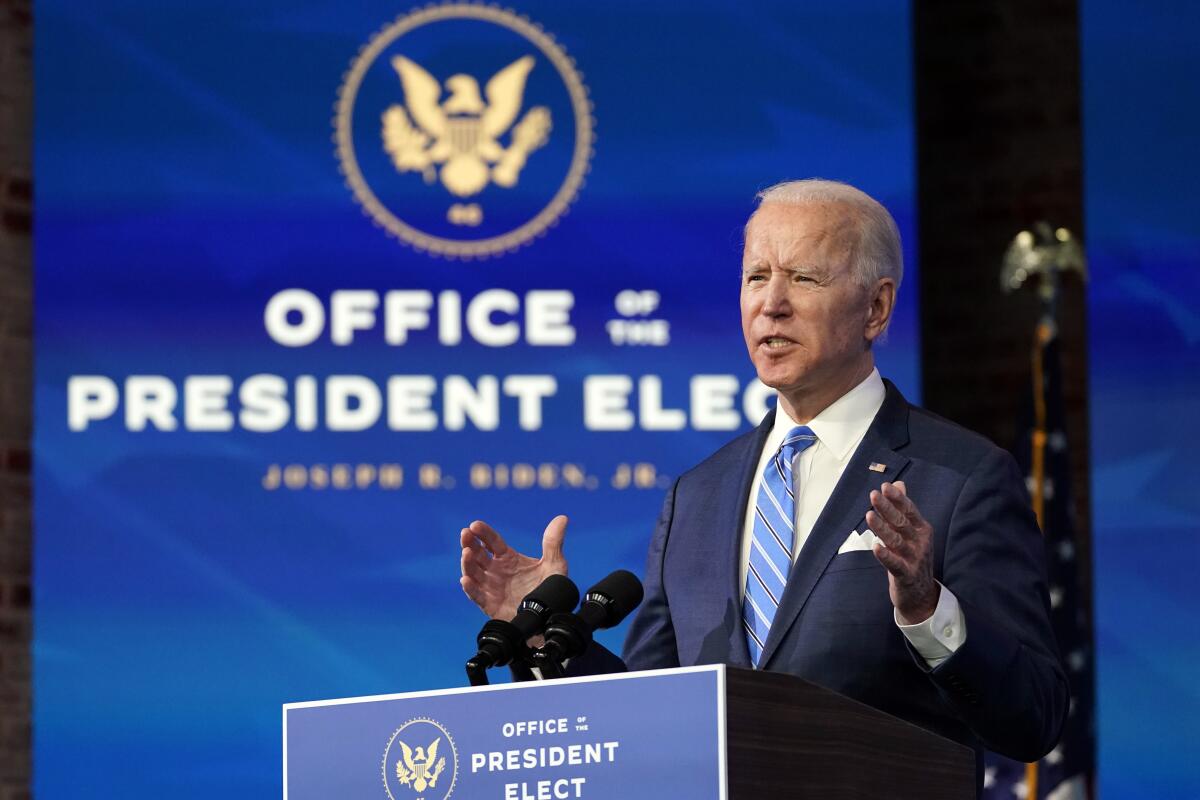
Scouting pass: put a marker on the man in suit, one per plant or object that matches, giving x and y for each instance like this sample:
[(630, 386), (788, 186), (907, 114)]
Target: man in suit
[(851, 539)]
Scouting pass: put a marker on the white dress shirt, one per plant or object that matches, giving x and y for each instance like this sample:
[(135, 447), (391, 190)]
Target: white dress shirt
[(840, 428)]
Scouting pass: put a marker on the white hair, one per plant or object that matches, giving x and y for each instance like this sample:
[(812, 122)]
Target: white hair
[(877, 253)]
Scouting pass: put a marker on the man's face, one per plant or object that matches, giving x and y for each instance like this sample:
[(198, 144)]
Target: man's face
[(804, 316)]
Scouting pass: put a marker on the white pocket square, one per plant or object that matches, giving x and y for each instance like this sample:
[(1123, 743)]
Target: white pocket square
[(859, 541)]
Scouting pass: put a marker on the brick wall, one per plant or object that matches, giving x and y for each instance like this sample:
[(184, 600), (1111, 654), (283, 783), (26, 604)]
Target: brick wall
[(16, 370), (999, 148)]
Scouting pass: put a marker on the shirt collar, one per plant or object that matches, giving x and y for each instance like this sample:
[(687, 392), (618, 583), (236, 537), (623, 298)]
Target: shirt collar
[(844, 422)]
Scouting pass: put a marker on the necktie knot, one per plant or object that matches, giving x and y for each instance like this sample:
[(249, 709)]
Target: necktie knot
[(798, 439)]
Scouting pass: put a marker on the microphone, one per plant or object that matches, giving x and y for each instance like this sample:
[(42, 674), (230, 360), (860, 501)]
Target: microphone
[(501, 642), (604, 605)]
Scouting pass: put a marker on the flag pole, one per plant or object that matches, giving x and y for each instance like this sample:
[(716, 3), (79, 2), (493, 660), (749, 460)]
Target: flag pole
[(1042, 336), (1043, 252)]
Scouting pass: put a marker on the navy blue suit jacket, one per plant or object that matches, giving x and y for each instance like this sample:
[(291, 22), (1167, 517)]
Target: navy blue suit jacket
[(1004, 688)]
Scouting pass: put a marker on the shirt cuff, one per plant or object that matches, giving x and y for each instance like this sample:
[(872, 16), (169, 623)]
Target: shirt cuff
[(938, 637)]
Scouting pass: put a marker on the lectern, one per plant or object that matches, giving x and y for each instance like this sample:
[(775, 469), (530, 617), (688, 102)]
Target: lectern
[(693, 733)]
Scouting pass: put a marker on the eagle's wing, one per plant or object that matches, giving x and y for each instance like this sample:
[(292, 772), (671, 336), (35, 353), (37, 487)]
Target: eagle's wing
[(505, 92), (404, 143), (407, 752), (421, 91), (431, 754)]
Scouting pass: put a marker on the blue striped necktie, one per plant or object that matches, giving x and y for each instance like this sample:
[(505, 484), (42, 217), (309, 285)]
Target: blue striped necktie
[(773, 540)]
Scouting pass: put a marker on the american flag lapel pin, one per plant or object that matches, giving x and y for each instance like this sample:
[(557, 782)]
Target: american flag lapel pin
[(877, 467)]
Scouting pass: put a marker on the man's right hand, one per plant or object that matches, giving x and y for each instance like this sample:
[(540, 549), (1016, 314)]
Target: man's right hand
[(497, 577)]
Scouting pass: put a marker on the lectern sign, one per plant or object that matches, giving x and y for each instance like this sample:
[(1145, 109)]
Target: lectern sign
[(579, 738)]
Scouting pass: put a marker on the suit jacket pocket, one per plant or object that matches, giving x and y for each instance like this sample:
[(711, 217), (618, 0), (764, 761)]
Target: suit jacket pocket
[(853, 590), (855, 559)]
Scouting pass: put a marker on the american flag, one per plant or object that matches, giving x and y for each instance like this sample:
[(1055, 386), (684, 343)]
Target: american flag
[(1067, 772)]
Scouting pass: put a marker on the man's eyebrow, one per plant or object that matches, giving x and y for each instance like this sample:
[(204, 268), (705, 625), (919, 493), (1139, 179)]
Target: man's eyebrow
[(801, 266), (807, 268)]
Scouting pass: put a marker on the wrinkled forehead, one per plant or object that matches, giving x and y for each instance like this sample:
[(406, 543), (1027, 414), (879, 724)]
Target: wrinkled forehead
[(783, 234)]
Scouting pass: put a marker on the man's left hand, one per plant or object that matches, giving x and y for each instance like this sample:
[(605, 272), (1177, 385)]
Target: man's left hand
[(908, 555)]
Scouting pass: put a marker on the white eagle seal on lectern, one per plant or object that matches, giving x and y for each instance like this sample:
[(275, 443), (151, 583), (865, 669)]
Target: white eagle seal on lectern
[(418, 769), (420, 772), (462, 133)]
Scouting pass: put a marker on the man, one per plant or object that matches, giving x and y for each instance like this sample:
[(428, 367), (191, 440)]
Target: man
[(851, 539)]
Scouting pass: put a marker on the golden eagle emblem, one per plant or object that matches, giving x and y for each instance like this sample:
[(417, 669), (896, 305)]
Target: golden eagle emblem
[(462, 134), (417, 770), (513, 132)]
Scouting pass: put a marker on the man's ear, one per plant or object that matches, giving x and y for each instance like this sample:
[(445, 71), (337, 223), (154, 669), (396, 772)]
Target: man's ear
[(883, 301)]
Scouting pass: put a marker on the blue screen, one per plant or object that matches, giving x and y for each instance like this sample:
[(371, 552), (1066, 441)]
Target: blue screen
[(298, 321), (1141, 77)]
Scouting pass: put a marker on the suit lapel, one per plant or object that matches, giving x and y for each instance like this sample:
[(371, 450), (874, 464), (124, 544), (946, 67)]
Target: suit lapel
[(843, 512), (731, 531)]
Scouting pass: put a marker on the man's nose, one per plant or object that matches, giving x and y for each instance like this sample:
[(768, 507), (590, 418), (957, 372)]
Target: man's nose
[(776, 303)]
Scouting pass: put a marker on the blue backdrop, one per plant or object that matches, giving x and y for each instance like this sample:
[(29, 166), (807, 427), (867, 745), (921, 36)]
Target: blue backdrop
[(1141, 76), (187, 173)]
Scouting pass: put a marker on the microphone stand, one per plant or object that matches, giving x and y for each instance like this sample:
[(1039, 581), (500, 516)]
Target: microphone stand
[(520, 665), (550, 668), (477, 673), (521, 671)]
